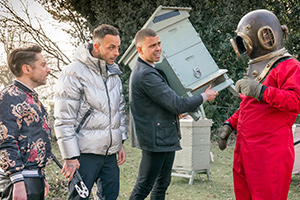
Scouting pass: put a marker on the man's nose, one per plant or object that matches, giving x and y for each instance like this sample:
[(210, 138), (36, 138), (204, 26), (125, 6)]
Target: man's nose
[(48, 70), (158, 48), (117, 52)]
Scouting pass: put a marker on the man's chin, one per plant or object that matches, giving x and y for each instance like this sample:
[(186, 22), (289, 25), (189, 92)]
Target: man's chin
[(44, 82), (111, 62)]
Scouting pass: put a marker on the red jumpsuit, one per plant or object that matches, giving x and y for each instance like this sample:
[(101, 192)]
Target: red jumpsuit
[(264, 151)]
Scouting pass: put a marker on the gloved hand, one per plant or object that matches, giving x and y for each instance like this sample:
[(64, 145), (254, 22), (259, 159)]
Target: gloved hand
[(223, 135), (249, 87)]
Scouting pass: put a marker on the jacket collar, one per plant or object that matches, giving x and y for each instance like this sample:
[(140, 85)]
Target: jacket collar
[(26, 89), (161, 72), (22, 86), (113, 69), (141, 60)]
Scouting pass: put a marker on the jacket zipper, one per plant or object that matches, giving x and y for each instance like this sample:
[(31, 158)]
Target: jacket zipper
[(109, 108), (106, 154)]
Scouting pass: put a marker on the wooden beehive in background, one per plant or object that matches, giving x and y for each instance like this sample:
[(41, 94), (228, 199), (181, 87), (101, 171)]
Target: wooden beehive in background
[(296, 130)]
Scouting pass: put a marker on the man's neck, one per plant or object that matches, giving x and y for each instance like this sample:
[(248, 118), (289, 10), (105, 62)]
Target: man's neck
[(26, 83), (149, 63), (95, 54)]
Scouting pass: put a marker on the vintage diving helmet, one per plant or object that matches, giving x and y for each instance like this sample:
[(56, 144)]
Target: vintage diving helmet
[(260, 36)]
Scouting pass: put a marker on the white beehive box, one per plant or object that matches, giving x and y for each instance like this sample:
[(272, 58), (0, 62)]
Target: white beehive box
[(194, 157), (195, 142), (296, 130)]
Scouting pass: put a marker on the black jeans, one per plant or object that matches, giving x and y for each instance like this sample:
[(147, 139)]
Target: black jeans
[(34, 189), (92, 167), (154, 175)]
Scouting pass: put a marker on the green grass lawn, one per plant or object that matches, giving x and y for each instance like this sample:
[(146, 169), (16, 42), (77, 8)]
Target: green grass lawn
[(220, 187)]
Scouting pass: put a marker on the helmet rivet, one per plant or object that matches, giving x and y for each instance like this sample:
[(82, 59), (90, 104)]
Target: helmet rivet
[(255, 73), (248, 27)]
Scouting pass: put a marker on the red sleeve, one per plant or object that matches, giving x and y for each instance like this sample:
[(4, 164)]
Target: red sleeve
[(233, 120), (283, 86)]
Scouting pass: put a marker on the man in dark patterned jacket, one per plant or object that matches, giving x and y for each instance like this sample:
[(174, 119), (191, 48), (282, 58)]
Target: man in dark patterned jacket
[(25, 137)]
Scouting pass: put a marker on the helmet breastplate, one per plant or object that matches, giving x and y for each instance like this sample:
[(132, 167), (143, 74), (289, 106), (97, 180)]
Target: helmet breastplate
[(259, 68)]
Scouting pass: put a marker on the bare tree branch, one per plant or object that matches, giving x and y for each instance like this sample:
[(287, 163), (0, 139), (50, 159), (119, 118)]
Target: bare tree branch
[(63, 11), (10, 18), (23, 30)]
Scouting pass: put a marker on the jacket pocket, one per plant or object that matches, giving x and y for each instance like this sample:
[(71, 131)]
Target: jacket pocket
[(166, 133)]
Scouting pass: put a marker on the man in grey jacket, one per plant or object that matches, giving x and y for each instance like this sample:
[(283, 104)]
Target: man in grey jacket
[(154, 108), (90, 122)]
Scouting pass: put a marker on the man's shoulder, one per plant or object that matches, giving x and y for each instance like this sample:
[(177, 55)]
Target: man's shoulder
[(11, 94), (75, 68), (144, 68), (286, 64), (139, 62), (11, 90), (293, 61), (74, 65)]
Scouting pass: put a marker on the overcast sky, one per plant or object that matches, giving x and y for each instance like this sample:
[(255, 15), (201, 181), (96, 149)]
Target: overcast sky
[(60, 37), (49, 25)]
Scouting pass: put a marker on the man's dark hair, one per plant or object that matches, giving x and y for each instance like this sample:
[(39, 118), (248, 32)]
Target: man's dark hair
[(22, 56), (101, 31), (141, 34)]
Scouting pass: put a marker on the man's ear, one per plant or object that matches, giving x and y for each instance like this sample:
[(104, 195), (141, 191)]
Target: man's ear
[(139, 49), (26, 69), (96, 46)]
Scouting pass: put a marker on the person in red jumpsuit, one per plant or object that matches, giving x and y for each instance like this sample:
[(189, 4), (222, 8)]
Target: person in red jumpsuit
[(270, 102)]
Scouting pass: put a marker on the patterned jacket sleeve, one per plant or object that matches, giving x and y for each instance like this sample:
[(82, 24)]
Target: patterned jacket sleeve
[(10, 126)]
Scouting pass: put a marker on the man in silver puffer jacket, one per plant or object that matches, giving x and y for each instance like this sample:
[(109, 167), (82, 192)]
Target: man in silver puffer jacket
[(90, 122)]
